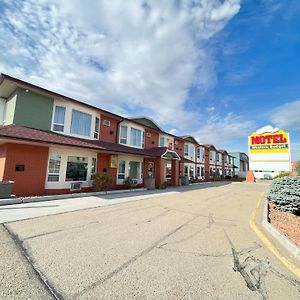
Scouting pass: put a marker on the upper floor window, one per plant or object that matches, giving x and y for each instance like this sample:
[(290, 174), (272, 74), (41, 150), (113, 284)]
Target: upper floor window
[(161, 141), (135, 137), (123, 134), (59, 118), (186, 150), (81, 123), (165, 142), (96, 130)]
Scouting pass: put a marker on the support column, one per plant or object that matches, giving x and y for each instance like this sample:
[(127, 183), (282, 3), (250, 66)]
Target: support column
[(175, 172)]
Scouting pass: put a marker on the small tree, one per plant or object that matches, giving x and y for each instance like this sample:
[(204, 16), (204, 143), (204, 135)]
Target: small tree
[(102, 182)]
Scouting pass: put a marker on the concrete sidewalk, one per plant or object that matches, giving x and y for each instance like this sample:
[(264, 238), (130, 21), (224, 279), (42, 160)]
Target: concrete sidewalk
[(16, 212)]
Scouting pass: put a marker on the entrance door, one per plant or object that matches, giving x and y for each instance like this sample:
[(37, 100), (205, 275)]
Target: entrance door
[(134, 170), (168, 171)]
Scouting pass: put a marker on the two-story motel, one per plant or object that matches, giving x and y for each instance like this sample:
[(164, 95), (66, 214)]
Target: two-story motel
[(52, 144)]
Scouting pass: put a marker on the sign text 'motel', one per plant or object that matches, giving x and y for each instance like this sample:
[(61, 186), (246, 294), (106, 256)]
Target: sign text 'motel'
[(268, 139)]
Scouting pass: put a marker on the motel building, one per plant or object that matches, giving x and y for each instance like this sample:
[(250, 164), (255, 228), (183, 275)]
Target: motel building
[(269, 152), (53, 144)]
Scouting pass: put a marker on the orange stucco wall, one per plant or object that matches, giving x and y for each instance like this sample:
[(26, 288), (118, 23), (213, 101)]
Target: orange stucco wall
[(108, 133), (151, 141), (31, 181)]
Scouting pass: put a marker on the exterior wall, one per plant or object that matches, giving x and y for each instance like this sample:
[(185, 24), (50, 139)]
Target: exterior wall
[(160, 171), (69, 105), (103, 165), (35, 159), (109, 133), (33, 110), (151, 141), (206, 164), (10, 108)]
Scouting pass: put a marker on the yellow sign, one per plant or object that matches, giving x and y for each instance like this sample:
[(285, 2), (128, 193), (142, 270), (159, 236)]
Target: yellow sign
[(267, 142)]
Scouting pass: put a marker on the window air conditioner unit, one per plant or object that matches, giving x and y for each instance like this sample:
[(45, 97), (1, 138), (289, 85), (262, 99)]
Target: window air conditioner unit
[(76, 186), (106, 123)]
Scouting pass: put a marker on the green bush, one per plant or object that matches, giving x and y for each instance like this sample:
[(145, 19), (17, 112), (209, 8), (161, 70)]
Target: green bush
[(102, 182), (128, 183), (285, 193), (281, 175)]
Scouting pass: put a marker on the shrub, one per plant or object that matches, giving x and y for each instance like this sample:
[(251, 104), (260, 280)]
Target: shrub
[(128, 182), (102, 182), (282, 174), (285, 193)]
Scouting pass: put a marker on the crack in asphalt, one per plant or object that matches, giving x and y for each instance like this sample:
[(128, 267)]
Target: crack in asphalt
[(128, 262), (39, 274), (211, 221), (254, 271)]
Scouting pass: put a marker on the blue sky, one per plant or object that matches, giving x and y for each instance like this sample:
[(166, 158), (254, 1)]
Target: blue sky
[(217, 70)]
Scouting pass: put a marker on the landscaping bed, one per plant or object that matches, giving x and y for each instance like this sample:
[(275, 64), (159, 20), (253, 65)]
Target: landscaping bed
[(288, 224), (284, 207)]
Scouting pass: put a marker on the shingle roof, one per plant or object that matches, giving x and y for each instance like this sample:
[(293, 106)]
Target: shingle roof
[(49, 137)]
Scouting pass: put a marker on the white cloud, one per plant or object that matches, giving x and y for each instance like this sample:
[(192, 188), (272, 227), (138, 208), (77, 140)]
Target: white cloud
[(287, 116), (267, 129), (219, 130), (120, 55)]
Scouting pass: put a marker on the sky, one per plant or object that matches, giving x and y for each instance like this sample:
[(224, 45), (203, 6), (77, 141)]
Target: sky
[(216, 70)]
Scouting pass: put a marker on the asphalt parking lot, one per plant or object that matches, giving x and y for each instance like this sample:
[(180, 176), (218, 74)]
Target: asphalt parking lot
[(194, 244)]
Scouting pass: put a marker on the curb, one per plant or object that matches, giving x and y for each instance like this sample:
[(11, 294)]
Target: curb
[(21, 200), (282, 239)]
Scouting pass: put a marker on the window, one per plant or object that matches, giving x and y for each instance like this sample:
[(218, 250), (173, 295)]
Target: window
[(202, 171), (186, 170), (186, 150), (93, 168), (161, 141), (121, 169), (59, 118), (134, 169), (96, 131), (143, 140), (123, 134), (54, 167), (106, 123), (135, 137), (198, 153), (198, 171), (81, 123), (76, 168)]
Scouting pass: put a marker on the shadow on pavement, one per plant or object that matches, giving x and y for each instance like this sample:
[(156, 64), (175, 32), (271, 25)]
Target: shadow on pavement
[(178, 189)]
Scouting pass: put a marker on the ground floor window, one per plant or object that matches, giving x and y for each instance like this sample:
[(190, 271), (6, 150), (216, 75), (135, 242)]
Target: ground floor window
[(54, 167), (202, 171), (186, 170), (198, 172), (129, 168), (68, 165), (76, 168), (121, 169)]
